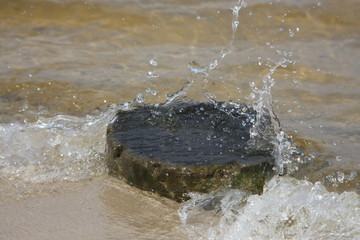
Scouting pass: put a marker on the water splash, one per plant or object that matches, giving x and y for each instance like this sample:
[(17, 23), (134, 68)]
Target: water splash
[(234, 25), (288, 209), (266, 132), (198, 73), (153, 63), (62, 148), (197, 78)]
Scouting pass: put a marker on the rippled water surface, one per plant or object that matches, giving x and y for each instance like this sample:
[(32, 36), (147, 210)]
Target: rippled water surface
[(64, 65)]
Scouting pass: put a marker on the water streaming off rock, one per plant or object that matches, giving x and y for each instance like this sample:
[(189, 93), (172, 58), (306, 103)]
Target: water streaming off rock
[(66, 64)]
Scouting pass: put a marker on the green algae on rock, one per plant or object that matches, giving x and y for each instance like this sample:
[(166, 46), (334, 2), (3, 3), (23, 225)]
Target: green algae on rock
[(189, 147)]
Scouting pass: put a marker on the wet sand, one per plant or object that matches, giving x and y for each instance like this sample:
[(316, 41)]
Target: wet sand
[(98, 208)]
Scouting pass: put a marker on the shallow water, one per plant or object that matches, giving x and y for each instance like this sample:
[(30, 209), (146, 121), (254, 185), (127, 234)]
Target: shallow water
[(64, 64)]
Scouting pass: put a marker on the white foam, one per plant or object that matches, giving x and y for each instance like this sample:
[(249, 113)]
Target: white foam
[(53, 149), (288, 209)]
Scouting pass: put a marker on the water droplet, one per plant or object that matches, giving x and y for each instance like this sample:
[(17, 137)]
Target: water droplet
[(213, 65), (352, 176), (195, 67), (189, 148), (151, 74), (236, 10), (291, 33), (341, 177), (250, 13), (140, 98), (235, 24), (152, 92), (153, 62)]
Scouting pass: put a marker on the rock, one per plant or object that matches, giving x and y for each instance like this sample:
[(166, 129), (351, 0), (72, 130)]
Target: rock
[(188, 147)]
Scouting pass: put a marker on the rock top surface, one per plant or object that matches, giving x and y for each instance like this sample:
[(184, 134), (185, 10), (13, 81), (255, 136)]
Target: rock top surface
[(173, 150)]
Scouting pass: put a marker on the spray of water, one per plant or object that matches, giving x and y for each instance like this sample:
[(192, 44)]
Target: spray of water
[(235, 24), (266, 132), (198, 73), (288, 209), (61, 148)]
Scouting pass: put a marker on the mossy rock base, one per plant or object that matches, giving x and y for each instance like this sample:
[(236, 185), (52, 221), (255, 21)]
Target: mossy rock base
[(189, 147)]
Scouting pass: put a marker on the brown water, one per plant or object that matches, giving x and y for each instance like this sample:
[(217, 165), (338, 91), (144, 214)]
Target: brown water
[(64, 62)]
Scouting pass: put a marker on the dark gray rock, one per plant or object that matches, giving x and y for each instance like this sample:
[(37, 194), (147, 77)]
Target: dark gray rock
[(189, 147)]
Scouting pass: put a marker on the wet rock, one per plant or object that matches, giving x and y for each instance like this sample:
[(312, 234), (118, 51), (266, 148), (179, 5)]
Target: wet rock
[(188, 147)]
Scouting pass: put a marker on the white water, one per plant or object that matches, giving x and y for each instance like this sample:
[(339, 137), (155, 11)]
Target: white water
[(62, 148), (288, 209)]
